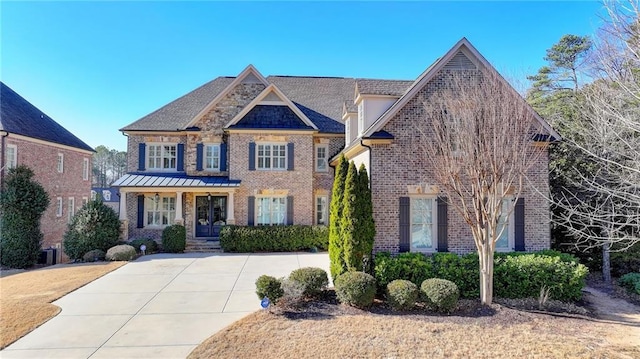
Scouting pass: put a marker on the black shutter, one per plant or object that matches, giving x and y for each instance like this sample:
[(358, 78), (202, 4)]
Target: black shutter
[(518, 214), (252, 156), (289, 210), (443, 245), (140, 211), (405, 226), (199, 148), (180, 159), (141, 156), (223, 157), (290, 156), (251, 210)]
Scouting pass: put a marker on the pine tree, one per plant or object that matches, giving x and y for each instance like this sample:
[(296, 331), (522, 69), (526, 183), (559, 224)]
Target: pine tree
[(350, 221), (336, 257), (366, 209)]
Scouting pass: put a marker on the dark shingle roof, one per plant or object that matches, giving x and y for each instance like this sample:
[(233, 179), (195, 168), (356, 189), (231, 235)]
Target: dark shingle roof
[(262, 116), (382, 87), (20, 117), (177, 114)]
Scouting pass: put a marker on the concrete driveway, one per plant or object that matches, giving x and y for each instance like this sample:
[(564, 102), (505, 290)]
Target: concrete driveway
[(160, 306)]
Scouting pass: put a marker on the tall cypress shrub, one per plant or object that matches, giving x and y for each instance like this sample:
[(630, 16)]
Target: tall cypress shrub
[(22, 203), (350, 222), (336, 257), (368, 227)]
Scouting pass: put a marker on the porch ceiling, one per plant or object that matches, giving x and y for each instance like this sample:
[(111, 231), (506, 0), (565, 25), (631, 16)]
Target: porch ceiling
[(173, 180)]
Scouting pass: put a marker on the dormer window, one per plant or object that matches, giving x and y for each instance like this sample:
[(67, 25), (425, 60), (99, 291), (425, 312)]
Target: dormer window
[(360, 118)]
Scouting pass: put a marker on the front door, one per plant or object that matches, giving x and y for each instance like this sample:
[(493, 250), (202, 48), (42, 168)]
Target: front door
[(211, 215)]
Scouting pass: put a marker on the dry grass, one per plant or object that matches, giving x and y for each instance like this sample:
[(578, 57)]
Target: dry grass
[(506, 333), (26, 297)]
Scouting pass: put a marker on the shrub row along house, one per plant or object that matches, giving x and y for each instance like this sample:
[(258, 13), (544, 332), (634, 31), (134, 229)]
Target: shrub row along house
[(60, 161), (253, 150)]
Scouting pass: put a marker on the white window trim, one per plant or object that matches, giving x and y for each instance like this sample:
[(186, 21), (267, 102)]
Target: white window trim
[(204, 157), (159, 204), (325, 212), (326, 157), (59, 207), (85, 200), (71, 208), (434, 224), (360, 118), (511, 230), (85, 169), (15, 157), (257, 206), (162, 157), (60, 162), (286, 156), (106, 195)]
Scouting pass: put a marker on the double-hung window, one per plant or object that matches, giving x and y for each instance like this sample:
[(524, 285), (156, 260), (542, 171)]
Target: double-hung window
[(505, 242), (322, 153), (423, 224), (11, 156), (85, 169), (60, 163), (271, 210), (212, 157), (161, 157), (72, 209), (59, 207), (272, 156), (321, 211), (161, 212)]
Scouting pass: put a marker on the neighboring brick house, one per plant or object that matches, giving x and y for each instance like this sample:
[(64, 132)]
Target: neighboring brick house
[(61, 161), (254, 150), (108, 195)]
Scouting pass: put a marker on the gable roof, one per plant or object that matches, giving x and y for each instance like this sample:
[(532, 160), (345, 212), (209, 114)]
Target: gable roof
[(463, 45), (19, 116)]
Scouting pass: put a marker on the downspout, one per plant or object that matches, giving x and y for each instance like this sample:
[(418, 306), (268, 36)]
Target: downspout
[(370, 166)]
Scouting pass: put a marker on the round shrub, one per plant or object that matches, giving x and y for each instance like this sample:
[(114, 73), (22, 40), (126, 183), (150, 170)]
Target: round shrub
[(440, 294), (94, 226), (123, 252), (313, 280), (94, 255), (402, 294), (356, 289), (174, 239), (270, 287), (151, 245)]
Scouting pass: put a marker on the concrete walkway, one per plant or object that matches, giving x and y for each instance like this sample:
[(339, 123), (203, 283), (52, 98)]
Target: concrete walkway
[(160, 306)]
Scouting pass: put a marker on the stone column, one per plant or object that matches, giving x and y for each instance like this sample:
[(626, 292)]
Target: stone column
[(179, 219), (230, 215)]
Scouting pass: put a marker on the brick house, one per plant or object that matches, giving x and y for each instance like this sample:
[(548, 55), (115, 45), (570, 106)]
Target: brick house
[(255, 150), (61, 161)]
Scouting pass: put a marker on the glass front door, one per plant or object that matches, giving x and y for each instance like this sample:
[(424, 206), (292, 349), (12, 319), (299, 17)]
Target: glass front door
[(211, 215)]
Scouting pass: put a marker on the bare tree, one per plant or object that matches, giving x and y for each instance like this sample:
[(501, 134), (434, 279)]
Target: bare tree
[(479, 138)]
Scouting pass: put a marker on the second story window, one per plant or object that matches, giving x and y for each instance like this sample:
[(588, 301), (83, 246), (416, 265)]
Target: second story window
[(321, 158), (11, 156), (60, 162), (85, 169), (161, 157), (212, 157), (272, 157)]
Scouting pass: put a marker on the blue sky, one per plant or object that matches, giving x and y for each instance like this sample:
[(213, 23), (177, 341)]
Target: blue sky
[(95, 67)]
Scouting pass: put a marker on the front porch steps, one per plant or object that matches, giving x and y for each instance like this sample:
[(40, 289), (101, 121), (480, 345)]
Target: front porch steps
[(201, 245)]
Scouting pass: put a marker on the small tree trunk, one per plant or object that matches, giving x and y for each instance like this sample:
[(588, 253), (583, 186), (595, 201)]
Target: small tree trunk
[(486, 275), (606, 262)]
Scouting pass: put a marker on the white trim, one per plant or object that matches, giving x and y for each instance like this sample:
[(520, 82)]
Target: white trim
[(257, 101), (71, 208), (271, 144), (204, 157), (59, 207), (511, 236), (238, 80), (60, 163), (147, 153), (47, 143), (325, 211), (465, 46), (326, 157), (15, 156), (85, 169), (434, 223)]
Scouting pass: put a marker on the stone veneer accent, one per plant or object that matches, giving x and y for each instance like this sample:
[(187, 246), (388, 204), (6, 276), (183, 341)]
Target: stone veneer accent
[(397, 165)]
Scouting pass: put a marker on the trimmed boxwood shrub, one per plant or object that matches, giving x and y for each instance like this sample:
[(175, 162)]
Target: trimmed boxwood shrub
[(151, 245), (123, 252), (94, 256), (313, 280), (402, 294), (516, 275), (244, 239), (631, 281), (440, 294), (174, 239), (357, 289), (270, 287)]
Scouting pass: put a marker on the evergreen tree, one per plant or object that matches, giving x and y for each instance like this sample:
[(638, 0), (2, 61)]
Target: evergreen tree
[(351, 222), (336, 257), (368, 225), (22, 203)]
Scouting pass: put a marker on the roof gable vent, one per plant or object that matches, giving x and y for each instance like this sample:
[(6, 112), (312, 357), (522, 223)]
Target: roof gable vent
[(460, 62)]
